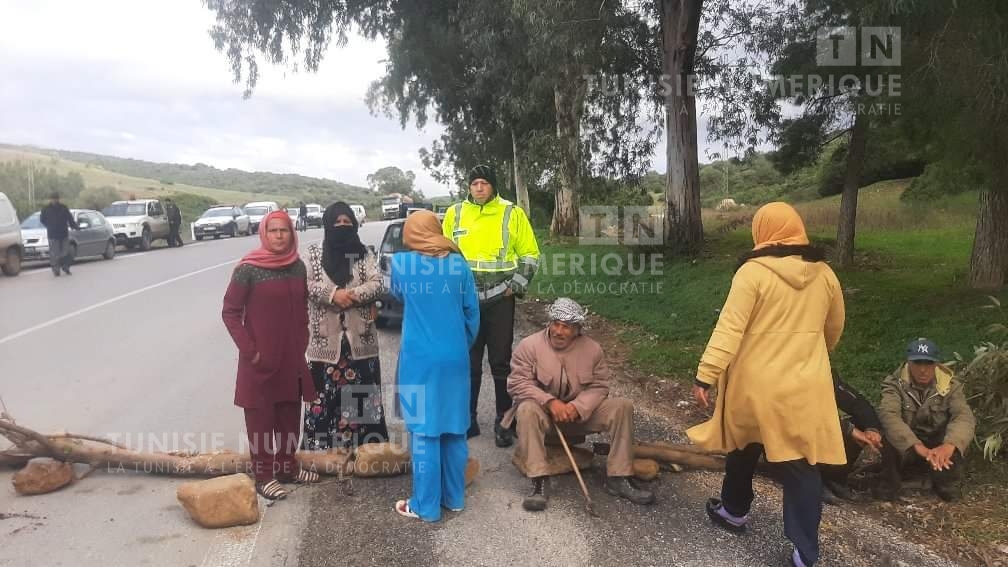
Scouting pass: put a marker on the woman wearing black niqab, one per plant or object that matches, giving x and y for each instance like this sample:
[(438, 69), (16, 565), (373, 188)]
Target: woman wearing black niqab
[(343, 284)]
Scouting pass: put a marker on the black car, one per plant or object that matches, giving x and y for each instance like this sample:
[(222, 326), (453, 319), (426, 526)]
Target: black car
[(389, 308)]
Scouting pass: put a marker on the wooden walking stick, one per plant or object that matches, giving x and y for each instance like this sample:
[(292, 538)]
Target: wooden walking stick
[(577, 472)]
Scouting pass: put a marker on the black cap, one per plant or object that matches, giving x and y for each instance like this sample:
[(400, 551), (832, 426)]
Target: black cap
[(483, 171)]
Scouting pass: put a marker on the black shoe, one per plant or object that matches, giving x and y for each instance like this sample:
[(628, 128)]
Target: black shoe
[(713, 505), (623, 487), (948, 492), (835, 492), (503, 436), (884, 493), (474, 429), (537, 499), (66, 270)]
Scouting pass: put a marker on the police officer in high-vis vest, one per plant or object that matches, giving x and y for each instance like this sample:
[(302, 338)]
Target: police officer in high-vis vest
[(497, 241)]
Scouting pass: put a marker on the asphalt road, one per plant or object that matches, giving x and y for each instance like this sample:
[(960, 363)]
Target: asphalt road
[(134, 348)]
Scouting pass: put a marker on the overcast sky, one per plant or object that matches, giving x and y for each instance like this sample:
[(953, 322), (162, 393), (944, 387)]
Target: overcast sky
[(141, 79)]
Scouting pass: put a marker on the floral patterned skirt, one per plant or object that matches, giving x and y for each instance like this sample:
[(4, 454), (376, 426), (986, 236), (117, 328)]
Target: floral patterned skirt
[(349, 409)]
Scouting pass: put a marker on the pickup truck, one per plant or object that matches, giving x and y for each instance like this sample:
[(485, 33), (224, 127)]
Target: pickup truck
[(137, 223)]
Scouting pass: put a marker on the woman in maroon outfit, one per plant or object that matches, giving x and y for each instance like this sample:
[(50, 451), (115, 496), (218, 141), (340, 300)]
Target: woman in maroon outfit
[(266, 312)]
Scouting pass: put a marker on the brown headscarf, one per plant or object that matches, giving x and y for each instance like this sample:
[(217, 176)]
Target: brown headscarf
[(778, 224), (422, 233)]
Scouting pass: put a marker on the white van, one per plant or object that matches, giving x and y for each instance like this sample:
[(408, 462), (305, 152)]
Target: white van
[(257, 210), (360, 213), (11, 245)]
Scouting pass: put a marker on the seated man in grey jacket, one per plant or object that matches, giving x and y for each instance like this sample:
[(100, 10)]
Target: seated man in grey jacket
[(559, 376)]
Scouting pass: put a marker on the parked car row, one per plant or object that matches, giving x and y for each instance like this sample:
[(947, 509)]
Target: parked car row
[(134, 223)]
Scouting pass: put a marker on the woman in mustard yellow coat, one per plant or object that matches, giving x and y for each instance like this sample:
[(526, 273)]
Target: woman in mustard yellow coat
[(769, 358)]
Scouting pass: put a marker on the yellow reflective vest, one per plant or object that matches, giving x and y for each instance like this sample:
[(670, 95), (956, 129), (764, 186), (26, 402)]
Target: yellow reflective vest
[(497, 241)]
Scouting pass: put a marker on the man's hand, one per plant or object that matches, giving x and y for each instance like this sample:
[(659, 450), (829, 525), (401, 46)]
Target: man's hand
[(874, 439), (562, 412), (700, 395), (871, 438), (941, 457), (922, 451), (343, 298)]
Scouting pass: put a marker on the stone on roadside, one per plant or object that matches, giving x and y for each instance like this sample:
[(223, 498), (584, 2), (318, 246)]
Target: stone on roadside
[(645, 469), (472, 470), (323, 462), (221, 502), (42, 475), (381, 459)]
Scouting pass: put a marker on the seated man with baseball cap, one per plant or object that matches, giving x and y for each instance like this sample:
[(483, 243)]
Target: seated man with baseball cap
[(559, 376), (926, 420)]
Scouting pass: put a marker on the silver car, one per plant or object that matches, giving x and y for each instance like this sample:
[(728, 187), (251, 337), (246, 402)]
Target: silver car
[(93, 237), (222, 220)]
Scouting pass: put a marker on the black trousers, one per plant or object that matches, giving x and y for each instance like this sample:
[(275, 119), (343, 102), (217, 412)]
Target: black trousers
[(802, 496), (496, 335), (894, 464), (174, 239)]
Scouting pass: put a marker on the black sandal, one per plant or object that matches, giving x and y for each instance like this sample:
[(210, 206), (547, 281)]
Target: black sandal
[(271, 490), (713, 505)]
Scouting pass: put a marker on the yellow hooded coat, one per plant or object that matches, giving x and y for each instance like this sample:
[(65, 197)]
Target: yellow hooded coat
[(769, 357)]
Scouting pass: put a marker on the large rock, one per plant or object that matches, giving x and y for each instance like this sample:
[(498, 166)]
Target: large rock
[(42, 475), (221, 502), (557, 461), (381, 459), (645, 469)]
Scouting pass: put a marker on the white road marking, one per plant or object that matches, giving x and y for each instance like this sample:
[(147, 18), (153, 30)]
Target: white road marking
[(73, 314)]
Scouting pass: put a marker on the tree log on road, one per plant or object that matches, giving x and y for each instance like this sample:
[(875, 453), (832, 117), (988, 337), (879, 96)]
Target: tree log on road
[(688, 455)]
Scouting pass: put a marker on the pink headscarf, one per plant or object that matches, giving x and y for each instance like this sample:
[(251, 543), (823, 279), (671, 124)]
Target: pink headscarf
[(262, 257)]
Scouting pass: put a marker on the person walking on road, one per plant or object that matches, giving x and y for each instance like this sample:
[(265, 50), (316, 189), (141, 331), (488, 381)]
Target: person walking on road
[(303, 217), (266, 313), (343, 285), (174, 222), (440, 322), (497, 241), (58, 220), (769, 358)]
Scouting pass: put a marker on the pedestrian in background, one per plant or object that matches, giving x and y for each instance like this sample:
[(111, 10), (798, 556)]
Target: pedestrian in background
[(343, 285), (174, 222), (769, 358), (58, 220), (440, 322), (266, 313)]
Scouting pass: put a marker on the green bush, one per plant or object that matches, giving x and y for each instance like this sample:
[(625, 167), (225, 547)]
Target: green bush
[(986, 381), (97, 198), (943, 178)]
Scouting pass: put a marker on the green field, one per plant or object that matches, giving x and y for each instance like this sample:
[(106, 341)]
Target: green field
[(909, 280), (95, 176)]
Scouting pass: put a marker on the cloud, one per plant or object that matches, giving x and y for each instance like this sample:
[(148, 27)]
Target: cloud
[(143, 80)]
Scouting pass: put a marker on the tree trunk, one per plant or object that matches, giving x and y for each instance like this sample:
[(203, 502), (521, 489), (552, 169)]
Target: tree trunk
[(683, 224), (568, 128), (989, 262), (521, 190), (848, 200)]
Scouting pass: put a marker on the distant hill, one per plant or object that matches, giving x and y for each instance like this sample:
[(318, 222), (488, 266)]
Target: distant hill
[(201, 178)]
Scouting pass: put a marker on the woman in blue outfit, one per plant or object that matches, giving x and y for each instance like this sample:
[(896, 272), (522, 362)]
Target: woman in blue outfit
[(440, 322)]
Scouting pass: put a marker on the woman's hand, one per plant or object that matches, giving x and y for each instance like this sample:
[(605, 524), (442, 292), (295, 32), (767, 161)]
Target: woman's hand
[(256, 359), (700, 395), (343, 298)]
